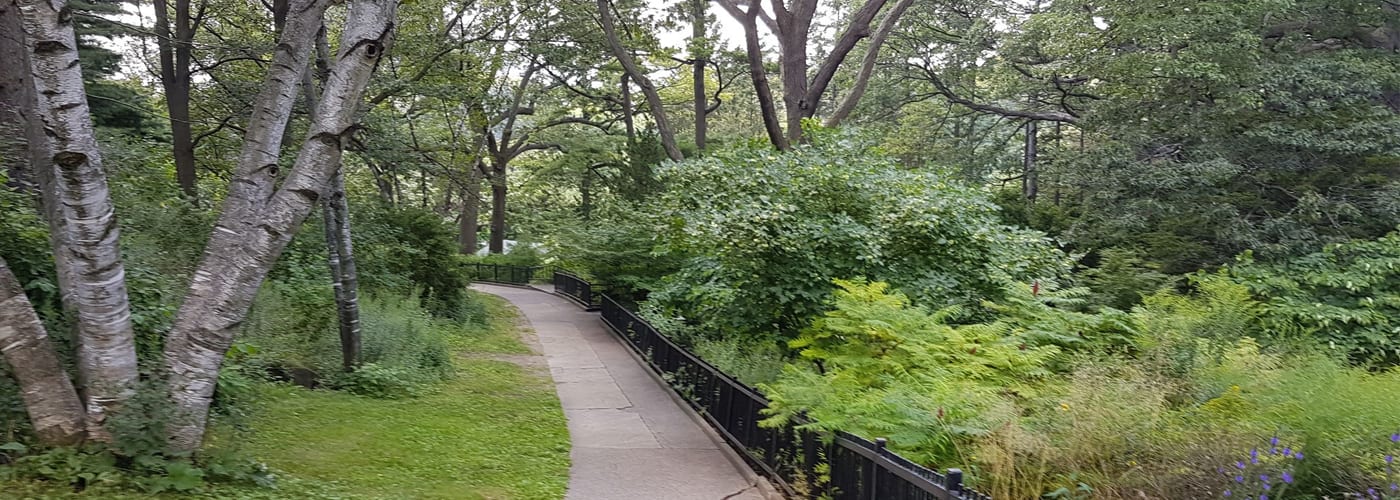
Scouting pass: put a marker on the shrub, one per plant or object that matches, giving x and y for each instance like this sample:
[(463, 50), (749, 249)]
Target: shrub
[(1346, 297), (406, 249), (763, 234)]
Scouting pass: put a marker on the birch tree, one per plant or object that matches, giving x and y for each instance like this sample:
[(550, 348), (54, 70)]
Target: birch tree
[(260, 218), (49, 397), (78, 207)]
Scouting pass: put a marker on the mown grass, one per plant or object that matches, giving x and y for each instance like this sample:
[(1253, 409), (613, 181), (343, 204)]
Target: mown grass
[(494, 431)]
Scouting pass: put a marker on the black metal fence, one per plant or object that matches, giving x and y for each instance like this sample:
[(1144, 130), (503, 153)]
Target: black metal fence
[(501, 273), (803, 463), (576, 289)]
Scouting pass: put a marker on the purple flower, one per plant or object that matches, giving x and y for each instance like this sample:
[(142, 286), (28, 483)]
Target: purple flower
[(1389, 458), (1394, 487), (1395, 438), (1239, 479), (1263, 497), (1227, 493), (1239, 465), (1273, 441), (1287, 477), (1288, 451), (1264, 478), (1266, 487), (1298, 455)]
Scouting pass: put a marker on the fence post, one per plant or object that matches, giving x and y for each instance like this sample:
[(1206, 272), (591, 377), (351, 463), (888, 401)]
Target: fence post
[(874, 476), (955, 480)]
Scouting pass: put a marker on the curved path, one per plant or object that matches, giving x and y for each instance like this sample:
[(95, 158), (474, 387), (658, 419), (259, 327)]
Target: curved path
[(631, 439)]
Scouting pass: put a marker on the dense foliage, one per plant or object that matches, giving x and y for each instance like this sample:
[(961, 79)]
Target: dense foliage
[(830, 209)]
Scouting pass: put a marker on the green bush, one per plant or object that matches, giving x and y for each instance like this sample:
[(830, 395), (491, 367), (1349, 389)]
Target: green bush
[(405, 249), (764, 233), (1153, 402), (1345, 297)]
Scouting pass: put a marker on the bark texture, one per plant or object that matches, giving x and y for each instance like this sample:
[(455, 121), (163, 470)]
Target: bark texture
[(49, 397), (766, 105), (344, 276), (174, 39), (658, 110), (1030, 175), (258, 221), (498, 209), (629, 119), (79, 210), (14, 94), (699, 57)]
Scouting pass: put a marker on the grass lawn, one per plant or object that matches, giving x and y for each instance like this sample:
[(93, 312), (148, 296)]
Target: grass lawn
[(495, 431)]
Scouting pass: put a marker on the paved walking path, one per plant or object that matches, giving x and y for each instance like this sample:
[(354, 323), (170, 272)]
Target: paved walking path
[(630, 439)]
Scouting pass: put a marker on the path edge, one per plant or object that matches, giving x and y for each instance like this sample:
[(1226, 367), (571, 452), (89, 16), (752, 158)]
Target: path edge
[(754, 479)]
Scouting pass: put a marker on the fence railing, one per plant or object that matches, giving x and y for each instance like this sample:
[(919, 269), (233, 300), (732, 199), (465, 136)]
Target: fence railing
[(855, 468), (576, 289), (501, 273)]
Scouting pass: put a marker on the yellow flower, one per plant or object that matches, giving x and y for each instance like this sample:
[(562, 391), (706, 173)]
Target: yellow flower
[(1064, 406)]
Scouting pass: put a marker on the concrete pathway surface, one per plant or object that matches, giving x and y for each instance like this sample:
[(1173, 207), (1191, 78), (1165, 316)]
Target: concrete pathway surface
[(631, 439)]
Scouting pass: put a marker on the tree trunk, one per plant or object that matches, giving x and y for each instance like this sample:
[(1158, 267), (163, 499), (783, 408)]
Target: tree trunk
[(585, 189), (80, 213), (857, 28), (629, 120), (658, 110), (867, 64), (49, 398), (1030, 178), (471, 213), (759, 75), (258, 222), (175, 80), (336, 223), (498, 206), (792, 35), (14, 93), (344, 277), (699, 56)]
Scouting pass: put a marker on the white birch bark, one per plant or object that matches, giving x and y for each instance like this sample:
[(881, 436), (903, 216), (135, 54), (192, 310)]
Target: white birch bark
[(258, 221), (49, 398), (79, 210)]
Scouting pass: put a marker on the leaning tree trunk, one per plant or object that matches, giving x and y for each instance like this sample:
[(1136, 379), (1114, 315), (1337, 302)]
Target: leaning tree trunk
[(759, 75), (53, 406), (658, 111), (258, 221), (79, 210), (867, 63)]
